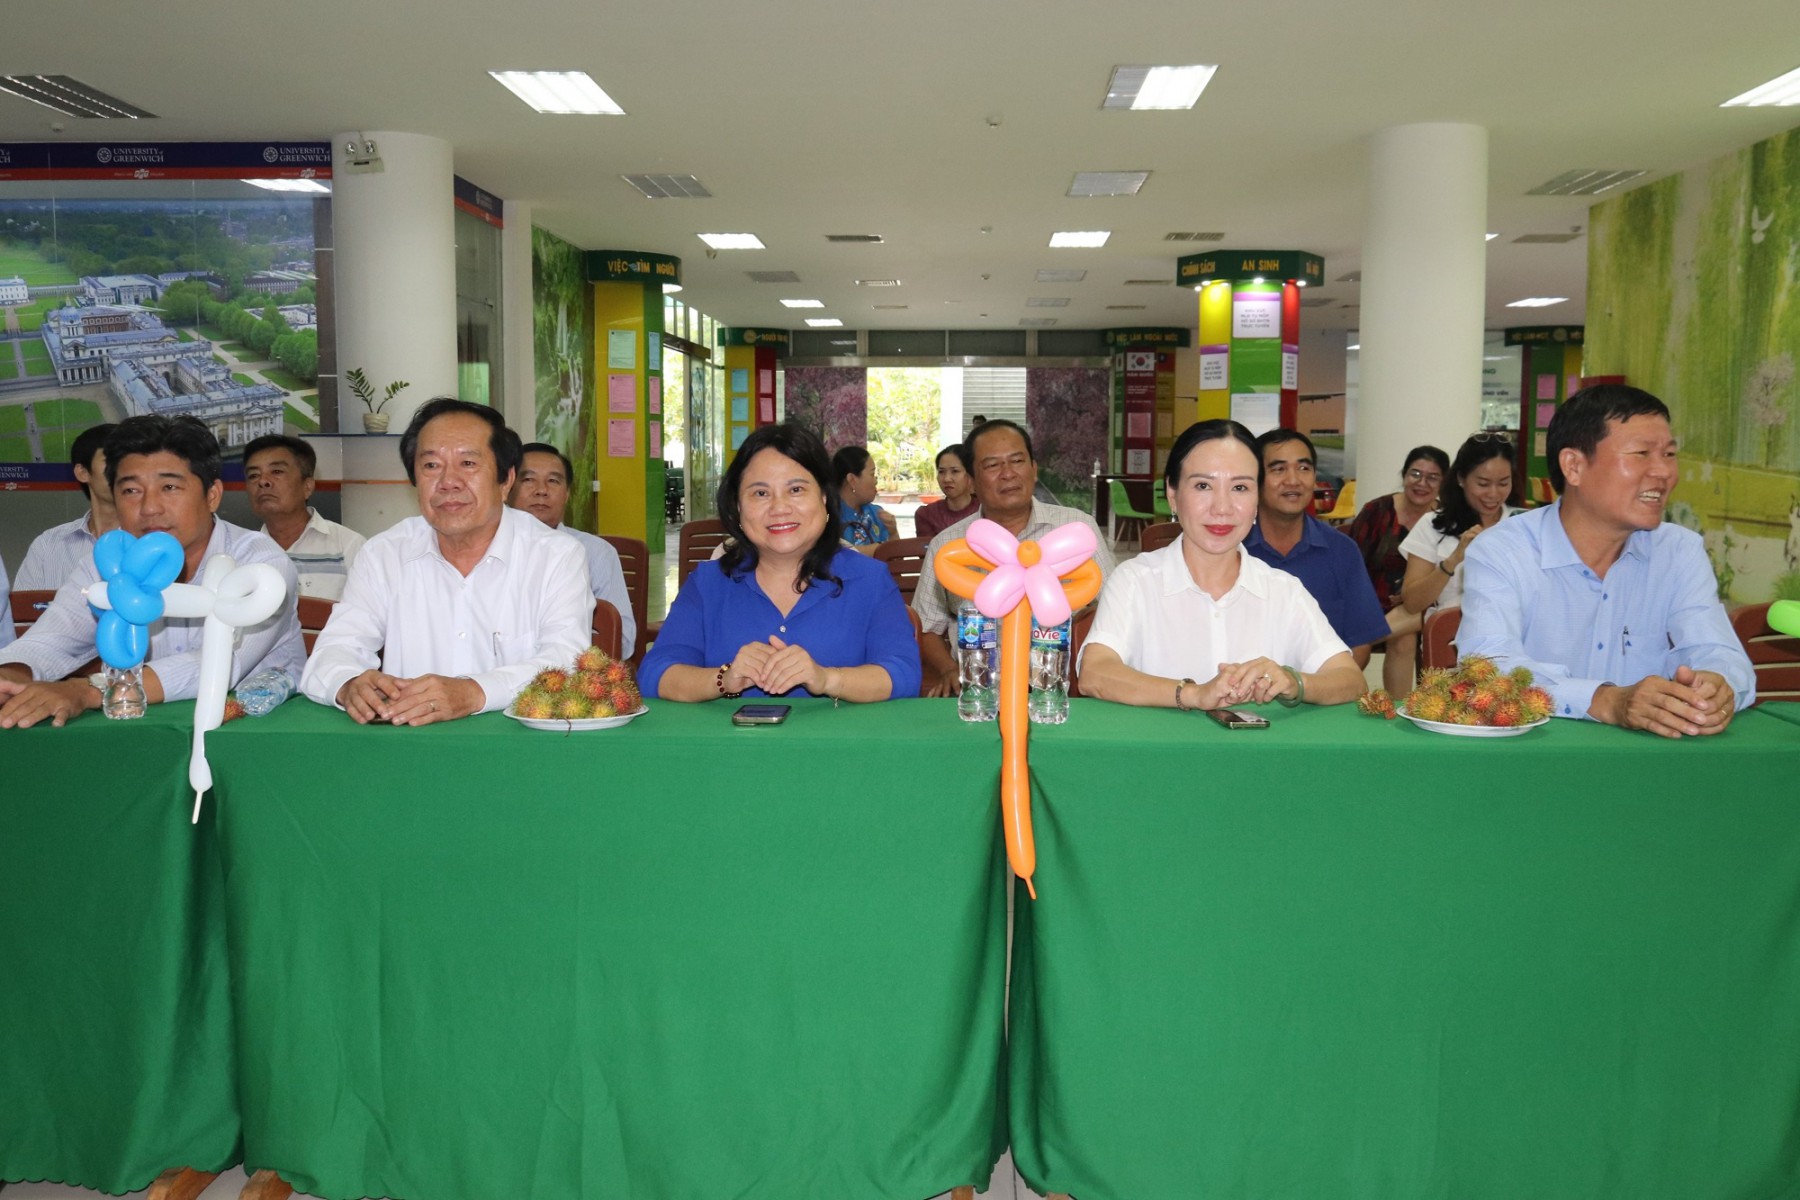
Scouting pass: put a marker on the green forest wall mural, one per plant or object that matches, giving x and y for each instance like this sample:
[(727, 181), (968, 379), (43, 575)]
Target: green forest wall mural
[(1694, 294)]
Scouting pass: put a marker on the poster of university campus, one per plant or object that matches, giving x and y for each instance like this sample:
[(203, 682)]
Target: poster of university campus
[(173, 279)]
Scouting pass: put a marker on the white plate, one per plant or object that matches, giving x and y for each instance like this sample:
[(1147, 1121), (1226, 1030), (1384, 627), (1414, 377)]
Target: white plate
[(1478, 731), (558, 725)]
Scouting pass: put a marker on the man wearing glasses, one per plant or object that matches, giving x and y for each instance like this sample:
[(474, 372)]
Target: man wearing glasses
[(1616, 612)]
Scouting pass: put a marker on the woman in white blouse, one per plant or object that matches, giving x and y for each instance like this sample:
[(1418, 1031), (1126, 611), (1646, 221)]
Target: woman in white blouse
[(1472, 499), (1203, 609)]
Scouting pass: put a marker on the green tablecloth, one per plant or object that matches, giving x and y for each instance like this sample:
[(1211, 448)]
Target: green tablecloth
[(115, 1026), (1345, 960), (675, 959)]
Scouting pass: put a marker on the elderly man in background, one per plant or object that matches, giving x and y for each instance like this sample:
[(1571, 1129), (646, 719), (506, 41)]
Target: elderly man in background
[(1615, 611), (164, 474), (1006, 477), (278, 478), (62, 548), (543, 491), (452, 612)]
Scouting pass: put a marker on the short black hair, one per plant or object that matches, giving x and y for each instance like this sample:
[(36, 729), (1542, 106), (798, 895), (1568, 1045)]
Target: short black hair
[(1431, 452), (961, 451), (502, 441), (848, 461), (994, 426), (1579, 423), (1278, 437), (1208, 431), (804, 447), (88, 443), (184, 436), (304, 455), (547, 448)]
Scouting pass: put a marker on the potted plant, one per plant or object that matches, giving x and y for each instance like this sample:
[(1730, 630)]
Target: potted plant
[(374, 420)]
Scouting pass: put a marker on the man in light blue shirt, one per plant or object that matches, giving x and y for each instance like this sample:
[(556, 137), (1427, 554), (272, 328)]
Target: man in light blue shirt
[(1615, 612)]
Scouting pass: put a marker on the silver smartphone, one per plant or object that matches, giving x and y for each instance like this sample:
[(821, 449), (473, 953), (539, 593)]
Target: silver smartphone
[(760, 714), (1234, 718)]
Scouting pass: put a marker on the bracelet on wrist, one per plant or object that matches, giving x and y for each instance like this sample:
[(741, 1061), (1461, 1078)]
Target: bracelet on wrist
[(1444, 566), (1299, 688), (719, 682), (1178, 686)]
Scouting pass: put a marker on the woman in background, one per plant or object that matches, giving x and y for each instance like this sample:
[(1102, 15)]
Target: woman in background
[(865, 523), (787, 610), (956, 479), (1378, 531), (1473, 499)]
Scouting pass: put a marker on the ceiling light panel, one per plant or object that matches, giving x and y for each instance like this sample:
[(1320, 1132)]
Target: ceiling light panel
[(669, 187), (1079, 239), (1053, 276), (1143, 88), (1537, 302), (1584, 181), (824, 322), (803, 304), (732, 241), (1783, 90), (1108, 183), (71, 97), (564, 92)]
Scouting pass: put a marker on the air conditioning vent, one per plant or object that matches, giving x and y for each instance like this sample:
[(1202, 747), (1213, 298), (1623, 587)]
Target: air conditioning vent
[(1047, 302), (669, 187), (1193, 237), (1049, 275), (1108, 183), (773, 276), (1037, 322), (867, 239), (1125, 307), (1148, 282), (1545, 238), (1316, 302), (1584, 181)]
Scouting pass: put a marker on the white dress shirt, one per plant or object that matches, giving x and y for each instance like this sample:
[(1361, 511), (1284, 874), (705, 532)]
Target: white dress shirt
[(63, 638), (6, 622), (54, 553), (1160, 622), (526, 606), (322, 555), (606, 579), (1424, 541)]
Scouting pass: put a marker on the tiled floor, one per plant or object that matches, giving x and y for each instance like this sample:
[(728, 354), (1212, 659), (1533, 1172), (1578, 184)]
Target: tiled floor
[(1005, 1185)]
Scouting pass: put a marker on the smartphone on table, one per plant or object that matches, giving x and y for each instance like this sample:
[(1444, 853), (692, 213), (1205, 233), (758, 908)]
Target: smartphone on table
[(1237, 718), (760, 714)]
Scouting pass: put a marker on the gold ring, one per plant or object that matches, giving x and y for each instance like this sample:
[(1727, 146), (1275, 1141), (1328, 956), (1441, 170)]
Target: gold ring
[(434, 702)]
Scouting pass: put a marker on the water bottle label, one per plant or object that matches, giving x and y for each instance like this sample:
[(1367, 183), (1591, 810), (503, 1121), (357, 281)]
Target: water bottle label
[(1055, 637)]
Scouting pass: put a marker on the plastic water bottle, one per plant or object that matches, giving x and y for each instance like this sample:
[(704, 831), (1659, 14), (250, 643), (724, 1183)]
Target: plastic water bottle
[(1049, 703), (264, 691), (123, 697), (977, 663)]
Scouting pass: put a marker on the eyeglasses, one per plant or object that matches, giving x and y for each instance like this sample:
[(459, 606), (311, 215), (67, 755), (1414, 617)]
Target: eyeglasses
[(1492, 435), (1418, 476)]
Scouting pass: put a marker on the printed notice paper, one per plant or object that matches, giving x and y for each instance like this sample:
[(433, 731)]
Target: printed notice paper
[(1212, 370), (621, 349), (621, 393), (1256, 315), (653, 385), (621, 439), (1257, 411)]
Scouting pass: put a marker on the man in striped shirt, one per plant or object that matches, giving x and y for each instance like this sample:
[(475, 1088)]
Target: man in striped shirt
[(278, 478)]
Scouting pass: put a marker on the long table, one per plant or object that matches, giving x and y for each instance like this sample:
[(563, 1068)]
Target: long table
[(673, 959), (1347, 960), (115, 1028)]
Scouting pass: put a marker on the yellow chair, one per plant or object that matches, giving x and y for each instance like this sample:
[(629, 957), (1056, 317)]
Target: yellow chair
[(1345, 508)]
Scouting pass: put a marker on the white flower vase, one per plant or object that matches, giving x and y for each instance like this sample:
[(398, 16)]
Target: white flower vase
[(374, 422)]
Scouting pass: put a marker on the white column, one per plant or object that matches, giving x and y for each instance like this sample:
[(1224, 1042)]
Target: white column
[(1424, 287), (395, 290)]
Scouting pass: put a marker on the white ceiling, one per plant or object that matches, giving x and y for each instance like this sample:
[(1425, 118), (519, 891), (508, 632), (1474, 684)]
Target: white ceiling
[(952, 129)]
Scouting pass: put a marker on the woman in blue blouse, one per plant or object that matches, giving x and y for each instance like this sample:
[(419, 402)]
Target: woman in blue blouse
[(866, 523), (788, 609)]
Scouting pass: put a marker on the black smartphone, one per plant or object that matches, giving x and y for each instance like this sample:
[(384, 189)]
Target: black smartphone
[(761, 714), (1233, 718)]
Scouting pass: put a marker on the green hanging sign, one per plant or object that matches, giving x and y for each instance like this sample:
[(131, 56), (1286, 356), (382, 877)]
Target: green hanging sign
[(1236, 266), (744, 335), (1165, 337), (632, 266)]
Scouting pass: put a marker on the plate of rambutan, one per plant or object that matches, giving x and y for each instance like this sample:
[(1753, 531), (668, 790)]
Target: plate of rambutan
[(598, 692), (1473, 699)]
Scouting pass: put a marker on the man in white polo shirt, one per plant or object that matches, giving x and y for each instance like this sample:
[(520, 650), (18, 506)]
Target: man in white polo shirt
[(278, 479), (452, 612)]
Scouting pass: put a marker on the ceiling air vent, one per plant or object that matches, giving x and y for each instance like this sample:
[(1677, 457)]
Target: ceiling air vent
[(865, 238), (1316, 302), (1124, 307), (894, 307), (1584, 181), (70, 96), (1544, 238), (1193, 237), (773, 276), (1050, 275), (1147, 282), (1047, 302), (879, 282), (1108, 183), (669, 187), (1352, 277), (1037, 322)]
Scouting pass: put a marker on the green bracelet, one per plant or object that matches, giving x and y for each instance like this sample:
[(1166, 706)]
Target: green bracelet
[(1299, 689)]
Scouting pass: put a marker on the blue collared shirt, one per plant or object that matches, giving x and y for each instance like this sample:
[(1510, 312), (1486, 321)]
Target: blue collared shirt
[(1529, 600), (1332, 568), (717, 614)]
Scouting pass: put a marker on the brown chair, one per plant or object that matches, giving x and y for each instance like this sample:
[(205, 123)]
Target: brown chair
[(1156, 536), (1776, 656), (1078, 632), (28, 606), (634, 563), (904, 558), (698, 540), (609, 630), (314, 612), (1436, 642)]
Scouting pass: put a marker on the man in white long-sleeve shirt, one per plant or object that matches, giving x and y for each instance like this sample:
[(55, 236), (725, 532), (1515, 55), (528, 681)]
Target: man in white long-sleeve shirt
[(543, 491), (452, 612), (164, 474)]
